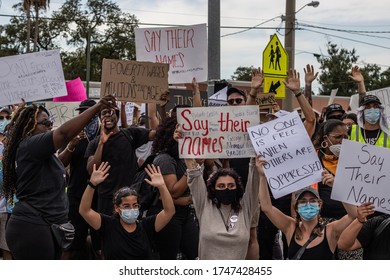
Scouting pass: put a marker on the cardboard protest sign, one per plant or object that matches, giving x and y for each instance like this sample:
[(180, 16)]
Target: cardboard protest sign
[(127, 80), (362, 175), (217, 132), (265, 100), (292, 161), (184, 48), (61, 112), (76, 92), (33, 76)]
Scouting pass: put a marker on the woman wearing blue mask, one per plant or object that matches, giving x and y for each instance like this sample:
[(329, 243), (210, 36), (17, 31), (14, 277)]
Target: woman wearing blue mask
[(124, 237), (307, 222)]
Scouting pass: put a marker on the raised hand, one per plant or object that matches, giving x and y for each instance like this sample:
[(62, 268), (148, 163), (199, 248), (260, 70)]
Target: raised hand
[(356, 75), (292, 82), (364, 210), (100, 174), (327, 178), (156, 178), (257, 78), (107, 102), (309, 74), (260, 162)]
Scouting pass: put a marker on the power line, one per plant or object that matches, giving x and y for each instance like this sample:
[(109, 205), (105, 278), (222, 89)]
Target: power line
[(249, 28)]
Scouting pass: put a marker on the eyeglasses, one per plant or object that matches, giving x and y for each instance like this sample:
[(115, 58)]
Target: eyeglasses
[(47, 123), (107, 112), (237, 100), (311, 202), (7, 117), (230, 186)]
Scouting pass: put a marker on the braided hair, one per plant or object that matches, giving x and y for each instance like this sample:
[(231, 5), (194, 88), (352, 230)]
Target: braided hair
[(22, 125)]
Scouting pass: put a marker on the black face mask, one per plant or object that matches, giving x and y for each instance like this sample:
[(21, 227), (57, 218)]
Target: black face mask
[(226, 196)]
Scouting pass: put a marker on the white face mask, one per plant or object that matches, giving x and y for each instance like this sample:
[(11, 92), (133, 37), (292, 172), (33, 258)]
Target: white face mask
[(335, 149)]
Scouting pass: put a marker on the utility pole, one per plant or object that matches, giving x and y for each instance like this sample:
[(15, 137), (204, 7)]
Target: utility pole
[(289, 45), (88, 74), (214, 44)]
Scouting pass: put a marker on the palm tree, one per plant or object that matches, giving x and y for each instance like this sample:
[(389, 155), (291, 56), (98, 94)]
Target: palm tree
[(38, 4), (26, 8)]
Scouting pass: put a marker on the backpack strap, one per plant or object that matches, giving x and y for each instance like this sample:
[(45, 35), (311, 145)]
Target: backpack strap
[(300, 252), (128, 136), (381, 227)]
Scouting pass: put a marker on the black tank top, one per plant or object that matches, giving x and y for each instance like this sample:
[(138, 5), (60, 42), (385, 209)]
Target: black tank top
[(318, 252)]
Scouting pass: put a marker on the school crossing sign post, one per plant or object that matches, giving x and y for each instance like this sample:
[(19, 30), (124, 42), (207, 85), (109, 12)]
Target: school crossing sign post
[(275, 66)]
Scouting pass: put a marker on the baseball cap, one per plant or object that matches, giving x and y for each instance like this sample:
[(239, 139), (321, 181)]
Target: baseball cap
[(299, 193), (232, 90), (334, 108), (88, 103), (369, 99), (7, 110)]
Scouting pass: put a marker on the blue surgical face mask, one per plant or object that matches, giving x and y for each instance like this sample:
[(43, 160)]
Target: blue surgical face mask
[(308, 212), (129, 216), (372, 115)]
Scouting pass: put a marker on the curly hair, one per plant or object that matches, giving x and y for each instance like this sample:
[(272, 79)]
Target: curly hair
[(326, 128), (164, 142), (236, 205), (22, 125)]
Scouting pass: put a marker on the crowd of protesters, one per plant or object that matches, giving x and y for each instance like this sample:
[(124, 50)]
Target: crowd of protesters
[(83, 172)]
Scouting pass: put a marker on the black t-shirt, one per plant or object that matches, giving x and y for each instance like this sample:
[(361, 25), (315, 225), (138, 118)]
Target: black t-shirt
[(118, 244), (40, 180), (170, 165), (119, 152), (78, 175), (375, 248)]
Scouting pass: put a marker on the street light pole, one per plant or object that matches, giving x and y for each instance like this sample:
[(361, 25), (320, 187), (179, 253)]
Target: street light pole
[(289, 42), (289, 45), (214, 44)]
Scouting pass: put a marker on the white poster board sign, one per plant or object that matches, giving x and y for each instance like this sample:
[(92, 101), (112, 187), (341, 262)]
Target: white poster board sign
[(292, 161), (363, 175), (217, 132), (183, 48), (332, 96), (219, 98), (61, 112), (33, 76)]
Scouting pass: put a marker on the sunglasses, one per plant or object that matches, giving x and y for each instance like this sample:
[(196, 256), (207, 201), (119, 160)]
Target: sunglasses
[(311, 202), (237, 100), (47, 123), (6, 117), (107, 112)]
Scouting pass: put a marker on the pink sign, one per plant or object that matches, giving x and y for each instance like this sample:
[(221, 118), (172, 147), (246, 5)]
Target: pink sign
[(76, 92)]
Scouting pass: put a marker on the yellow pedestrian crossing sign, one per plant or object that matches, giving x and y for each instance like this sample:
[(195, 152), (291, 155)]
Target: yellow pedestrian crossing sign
[(275, 85), (275, 58)]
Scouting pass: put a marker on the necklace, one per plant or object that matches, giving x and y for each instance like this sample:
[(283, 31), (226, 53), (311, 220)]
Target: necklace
[(225, 221), (373, 140)]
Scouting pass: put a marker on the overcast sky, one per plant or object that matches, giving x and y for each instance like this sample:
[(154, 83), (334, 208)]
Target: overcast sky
[(245, 49)]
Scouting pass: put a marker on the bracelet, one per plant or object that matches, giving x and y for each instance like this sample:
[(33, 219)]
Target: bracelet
[(69, 150), (92, 185), (298, 94)]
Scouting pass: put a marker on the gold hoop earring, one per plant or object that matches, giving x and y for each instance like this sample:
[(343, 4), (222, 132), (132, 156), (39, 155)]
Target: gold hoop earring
[(324, 144)]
